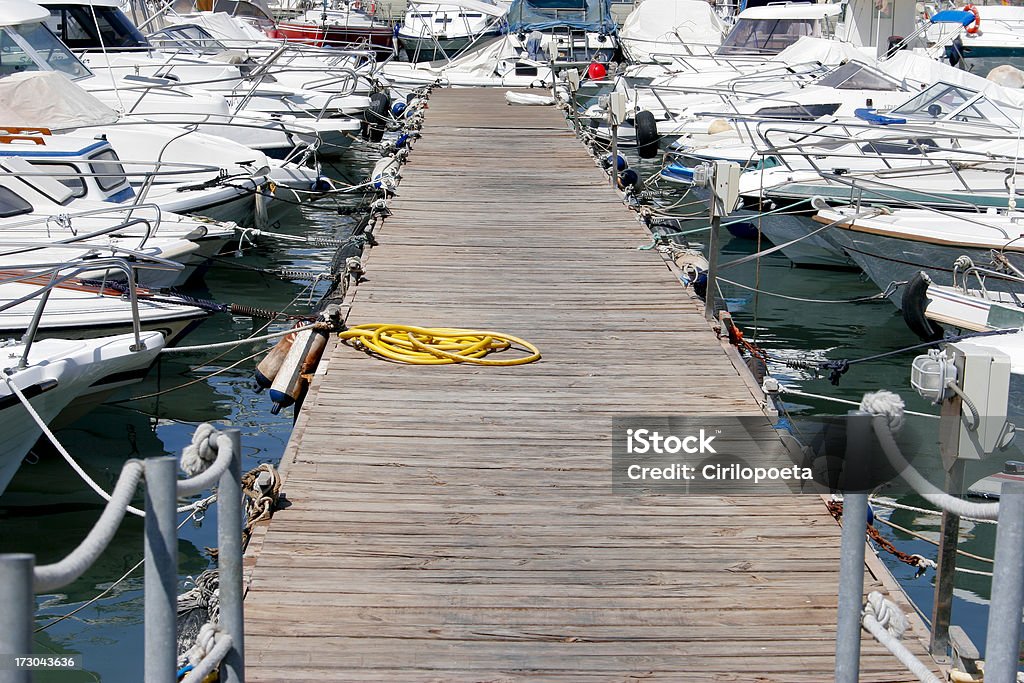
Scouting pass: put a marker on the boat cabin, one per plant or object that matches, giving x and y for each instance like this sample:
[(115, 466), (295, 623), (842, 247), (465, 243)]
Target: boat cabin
[(768, 30), (26, 44), (62, 168)]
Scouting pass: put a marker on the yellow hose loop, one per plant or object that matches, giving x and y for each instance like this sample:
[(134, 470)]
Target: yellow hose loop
[(436, 345)]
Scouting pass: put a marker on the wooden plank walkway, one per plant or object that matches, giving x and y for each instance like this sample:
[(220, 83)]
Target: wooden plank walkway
[(458, 524)]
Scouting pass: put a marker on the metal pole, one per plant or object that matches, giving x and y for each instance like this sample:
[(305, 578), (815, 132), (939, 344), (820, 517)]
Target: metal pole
[(161, 583), (615, 155), (711, 293), (1002, 644), (229, 561), (949, 533), (17, 611), (851, 558)]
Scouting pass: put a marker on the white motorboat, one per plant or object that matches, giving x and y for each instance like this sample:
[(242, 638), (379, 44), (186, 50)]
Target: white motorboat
[(658, 29), (76, 308), (33, 47), (54, 374), (893, 245), (433, 30)]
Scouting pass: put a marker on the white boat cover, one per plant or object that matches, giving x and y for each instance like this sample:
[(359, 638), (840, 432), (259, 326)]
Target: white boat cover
[(671, 27), (49, 99), (808, 50), (911, 67), (221, 25)]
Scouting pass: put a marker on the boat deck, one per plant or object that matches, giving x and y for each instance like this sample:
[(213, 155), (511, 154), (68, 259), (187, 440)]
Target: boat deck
[(457, 523)]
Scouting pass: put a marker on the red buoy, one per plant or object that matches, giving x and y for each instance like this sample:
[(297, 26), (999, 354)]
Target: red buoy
[(596, 71)]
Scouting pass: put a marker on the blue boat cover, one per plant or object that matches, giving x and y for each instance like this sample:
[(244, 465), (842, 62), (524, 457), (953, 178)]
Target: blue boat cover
[(540, 15), (872, 116), (952, 16)]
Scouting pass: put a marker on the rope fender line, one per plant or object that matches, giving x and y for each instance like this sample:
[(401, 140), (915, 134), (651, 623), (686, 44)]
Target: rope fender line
[(437, 345)]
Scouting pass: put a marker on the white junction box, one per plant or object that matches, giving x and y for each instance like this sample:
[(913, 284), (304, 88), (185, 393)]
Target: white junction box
[(984, 376)]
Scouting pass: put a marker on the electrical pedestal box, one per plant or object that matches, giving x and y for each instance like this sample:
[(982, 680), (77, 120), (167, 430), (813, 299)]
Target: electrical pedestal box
[(984, 376)]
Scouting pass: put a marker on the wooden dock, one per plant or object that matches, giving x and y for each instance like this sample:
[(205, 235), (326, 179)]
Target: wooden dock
[(457, 523)]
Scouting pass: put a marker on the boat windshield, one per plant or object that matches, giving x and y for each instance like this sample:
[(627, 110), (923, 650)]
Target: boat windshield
[(936, 102), (857, 76), (84, 28), (766, 36), (983, 109), (32, 47), (188, 37)]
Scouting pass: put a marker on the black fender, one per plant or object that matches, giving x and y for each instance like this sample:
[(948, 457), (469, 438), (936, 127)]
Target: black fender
[(915, 301), (375, 117), (647, 138)]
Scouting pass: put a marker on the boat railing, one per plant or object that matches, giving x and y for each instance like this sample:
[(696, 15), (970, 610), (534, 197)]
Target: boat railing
[(50, 276), (152, 224), (865, 186), (965, 271), (21, 578), (65, 221)]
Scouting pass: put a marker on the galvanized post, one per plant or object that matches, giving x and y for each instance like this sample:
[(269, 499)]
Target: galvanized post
[(615, 152), (949, 533), (17, 611), (711, 293), (229, 561), (161, 583), (853, 542), (1002, 644)]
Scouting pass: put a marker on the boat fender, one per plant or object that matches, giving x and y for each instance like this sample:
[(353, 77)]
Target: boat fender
[(955, 51), (621, 164), (647, 138), (596, 71), (376, 116), (758, 368), (915, 302), (292, 380), (397, 108), (700, 284), (628, 178), (322, 184), (268, 368), (743, 230)]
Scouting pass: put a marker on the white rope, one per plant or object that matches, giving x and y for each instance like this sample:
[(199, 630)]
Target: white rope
[(200, 454), (887, 404), (237, 342), (188, 489), (798, 392), (887, 503), (924, 488), (887, 623), (49, 577), (211, 646), (63, 451), (208, 469)]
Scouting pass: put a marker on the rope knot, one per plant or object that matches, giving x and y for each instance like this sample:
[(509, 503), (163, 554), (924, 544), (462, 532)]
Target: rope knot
[(200, 454), (888, 615), (885, 404)]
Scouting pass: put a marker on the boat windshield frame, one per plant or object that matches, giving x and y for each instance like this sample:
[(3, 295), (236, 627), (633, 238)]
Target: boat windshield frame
[(972, 106), (176, 37), (97, 27), (39, 44), (769, 36)]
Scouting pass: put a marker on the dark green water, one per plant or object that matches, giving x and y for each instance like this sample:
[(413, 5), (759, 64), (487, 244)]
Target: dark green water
[(47, 510)]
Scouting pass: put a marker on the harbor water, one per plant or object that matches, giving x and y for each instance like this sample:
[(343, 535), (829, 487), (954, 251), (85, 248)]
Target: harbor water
[(47, 509)]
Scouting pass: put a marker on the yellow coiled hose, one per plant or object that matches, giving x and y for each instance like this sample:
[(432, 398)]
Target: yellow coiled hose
[(436, 345)]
